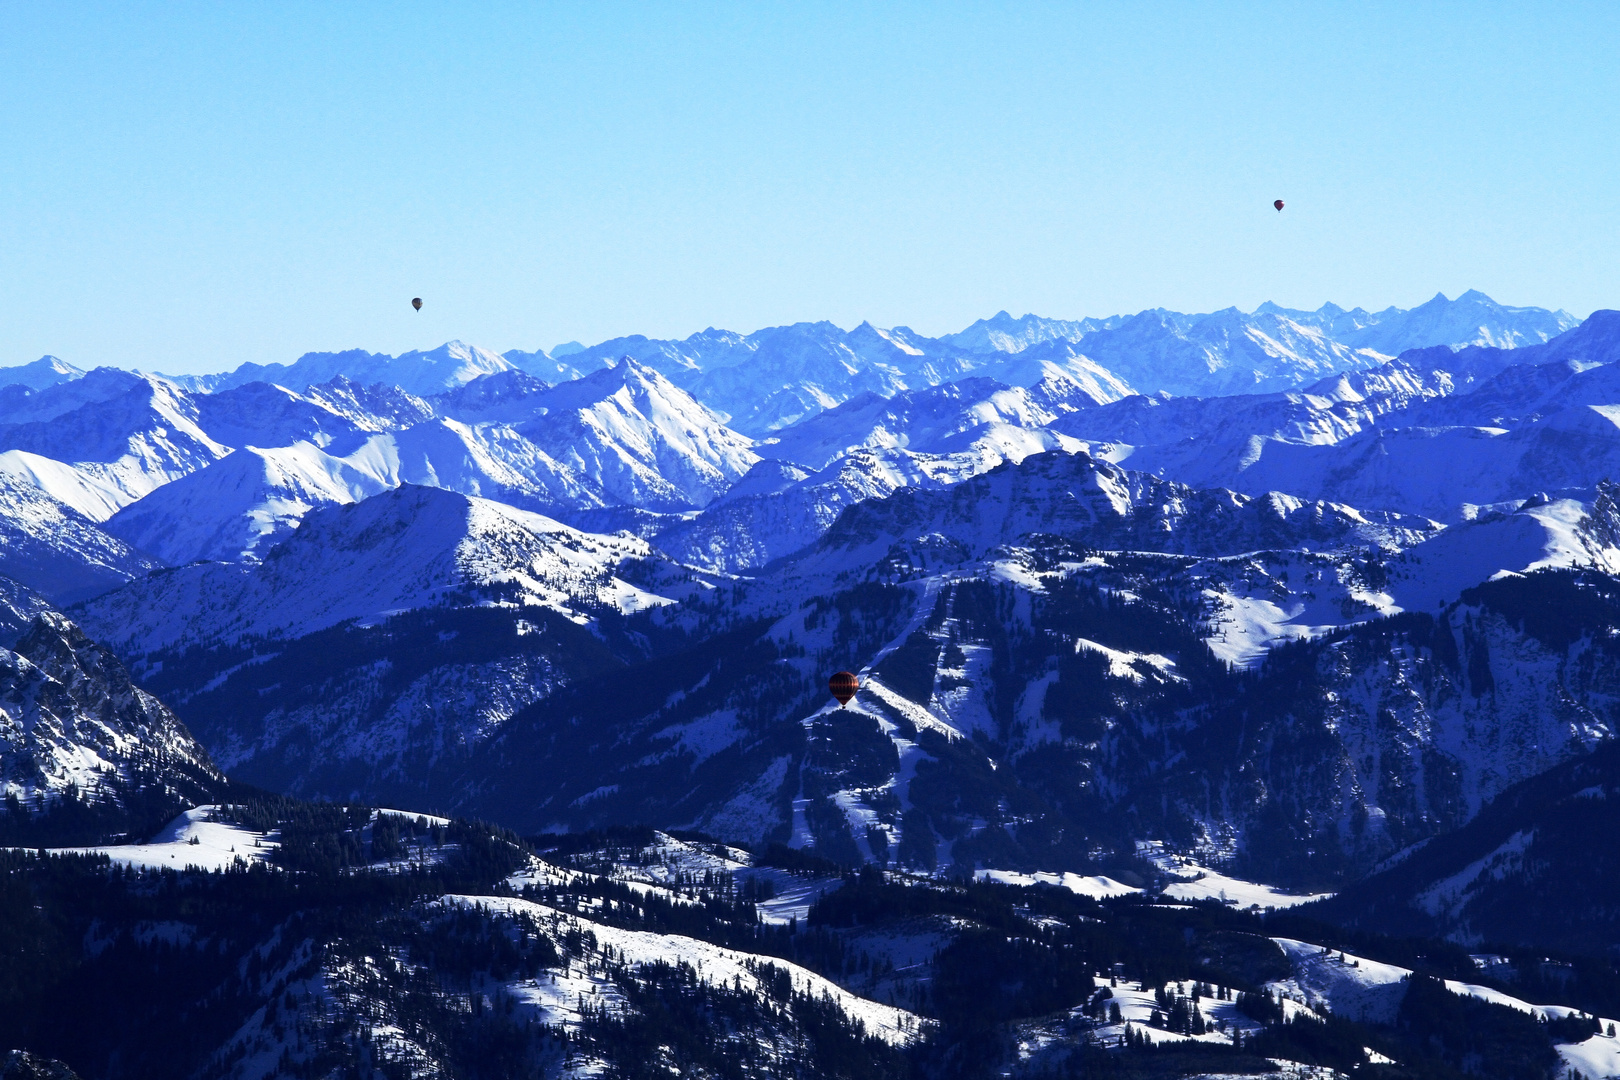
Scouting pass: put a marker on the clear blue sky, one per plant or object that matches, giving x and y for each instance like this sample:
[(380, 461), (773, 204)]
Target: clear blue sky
[(186, 187)]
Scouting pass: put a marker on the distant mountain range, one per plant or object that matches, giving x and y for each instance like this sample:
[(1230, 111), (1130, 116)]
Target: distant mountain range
[(1162, 624), (433, 578)]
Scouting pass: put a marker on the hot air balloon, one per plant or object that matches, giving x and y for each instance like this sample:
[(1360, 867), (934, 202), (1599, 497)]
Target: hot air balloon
[(1279, 205), (843, 686), (416, 302)]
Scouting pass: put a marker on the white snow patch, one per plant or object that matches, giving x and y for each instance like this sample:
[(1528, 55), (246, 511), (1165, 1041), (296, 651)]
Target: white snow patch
[(715, 965), (1097, 886), (190, 840)]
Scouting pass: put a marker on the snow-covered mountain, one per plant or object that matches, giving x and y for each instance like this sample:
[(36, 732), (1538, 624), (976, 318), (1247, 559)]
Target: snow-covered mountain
[(1094, 504), (1003, 333), (388, 610), (125, 446), (56, 552), (386, 638), (406, 548), (932, 420), (1524, 872), (1435, 433), (416, 372), (23, 405), (1225, 352), (75, 729), (252, 458), (1471, 319), (241, 505), (1121, 656), (553, 366), (1443, 473), (44, 372), (645, 441), (780, 507)]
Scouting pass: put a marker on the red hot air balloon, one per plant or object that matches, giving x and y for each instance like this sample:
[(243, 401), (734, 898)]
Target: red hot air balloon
[(416, 302), (843, 686), (1279, 205)]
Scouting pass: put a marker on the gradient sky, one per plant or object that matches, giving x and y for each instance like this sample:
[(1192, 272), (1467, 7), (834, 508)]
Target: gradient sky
[(187, 187)]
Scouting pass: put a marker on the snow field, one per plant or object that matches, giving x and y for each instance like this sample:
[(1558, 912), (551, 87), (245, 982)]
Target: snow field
[(189, 841), (1098, 887), (659, 870), (1364, 989), (1137, 1005), (715, 965), (1354, 986), (1195, 882)]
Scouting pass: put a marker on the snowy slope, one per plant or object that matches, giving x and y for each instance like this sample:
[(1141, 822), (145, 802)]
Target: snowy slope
[(418, 373), (920, 420), (1561, 533), (377, 407), (1190, 881), (713, 964), (57, 552), (489, 460), (96, 499), (550, 366), (1003, 333), (640, 438), (241, 505), (22, 404), (127, 445), (1324, 412), (1100, 505), (406, 548), (1442, 473), (191, 841), (260, 414), (1224, 352), (1069, 376), (758, 521), (1471, 319), (1097, 886), (1343, 983), (73, 726), (44, 372), (506, 396)]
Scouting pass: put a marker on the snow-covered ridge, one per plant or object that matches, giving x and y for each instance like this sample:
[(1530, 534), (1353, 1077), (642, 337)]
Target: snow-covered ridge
[(409, 547), (74, 727), (714, 964)]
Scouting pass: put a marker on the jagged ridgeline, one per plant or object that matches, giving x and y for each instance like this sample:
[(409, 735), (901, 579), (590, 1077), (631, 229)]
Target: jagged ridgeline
[(1156, 620), (85, 754), (1039, 692)]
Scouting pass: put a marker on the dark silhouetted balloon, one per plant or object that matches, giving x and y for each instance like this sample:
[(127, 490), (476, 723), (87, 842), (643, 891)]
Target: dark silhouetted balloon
[(1279, 205), (416, 302), (843, 686)]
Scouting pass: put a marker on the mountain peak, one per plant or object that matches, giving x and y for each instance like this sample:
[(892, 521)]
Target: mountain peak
[(45, 372)]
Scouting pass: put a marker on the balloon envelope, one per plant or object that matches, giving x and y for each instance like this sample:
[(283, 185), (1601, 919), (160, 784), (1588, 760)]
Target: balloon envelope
[(1279, 205), (843, 686), (416, 302)]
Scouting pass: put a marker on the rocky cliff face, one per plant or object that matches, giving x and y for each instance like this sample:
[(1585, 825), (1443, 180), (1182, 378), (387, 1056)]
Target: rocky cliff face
[(82, 748)]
